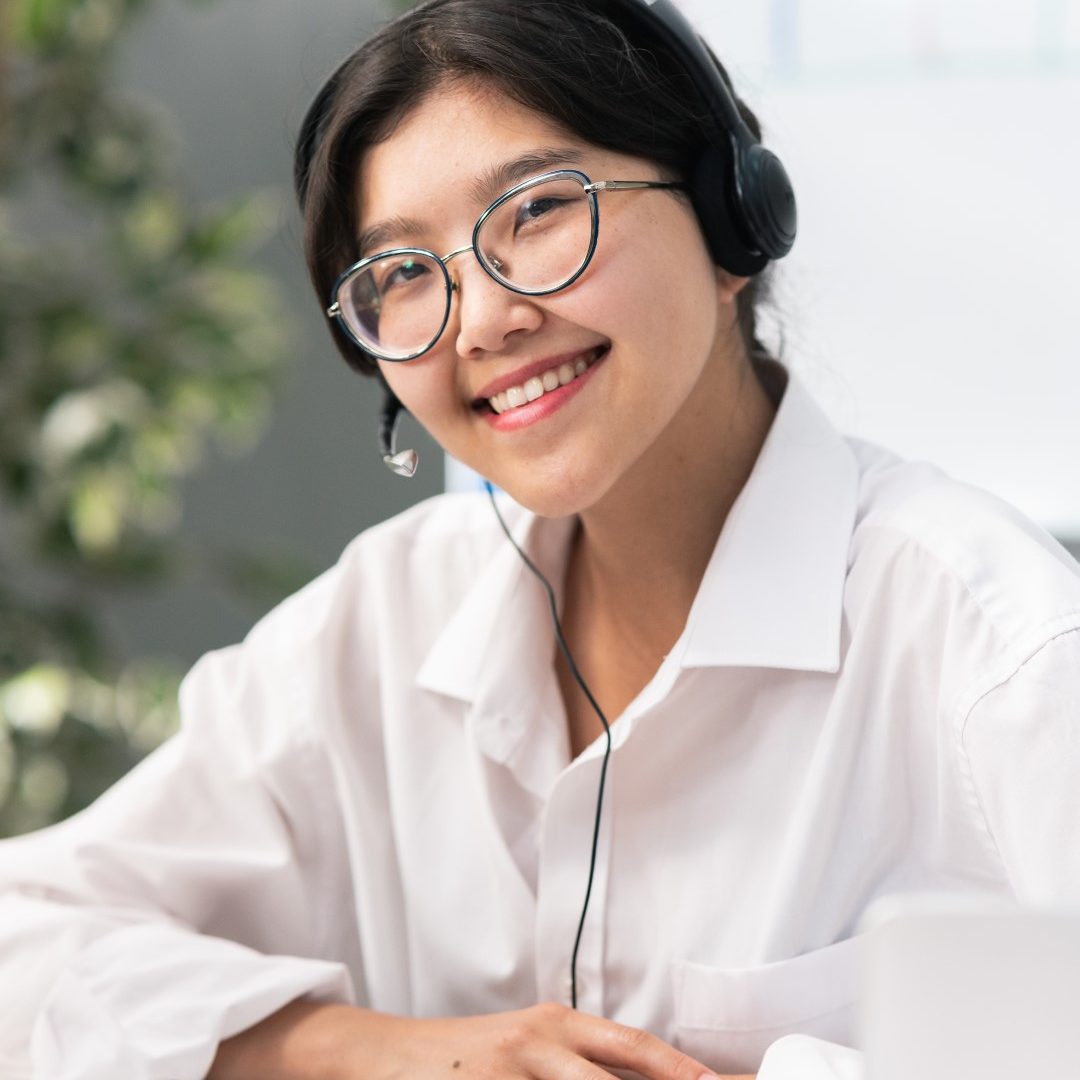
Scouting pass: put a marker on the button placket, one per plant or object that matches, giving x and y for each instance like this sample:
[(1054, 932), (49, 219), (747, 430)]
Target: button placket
[(566, 842), (590, 965)]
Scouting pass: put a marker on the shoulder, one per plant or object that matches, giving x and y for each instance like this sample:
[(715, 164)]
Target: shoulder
[(396, 584), (430, 553), (962, 622), (447, 531), (955, 565)]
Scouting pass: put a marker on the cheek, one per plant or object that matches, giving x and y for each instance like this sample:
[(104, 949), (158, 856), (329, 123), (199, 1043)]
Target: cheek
[(421, 386), (653, 283)]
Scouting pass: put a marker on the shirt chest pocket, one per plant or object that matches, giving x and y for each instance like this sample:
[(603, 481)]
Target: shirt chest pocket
[(727, 1018)]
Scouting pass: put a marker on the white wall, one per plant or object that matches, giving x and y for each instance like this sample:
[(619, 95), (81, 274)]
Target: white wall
[(930, 298)]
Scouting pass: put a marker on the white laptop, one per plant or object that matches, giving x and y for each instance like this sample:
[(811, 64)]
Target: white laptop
[(969, 990)]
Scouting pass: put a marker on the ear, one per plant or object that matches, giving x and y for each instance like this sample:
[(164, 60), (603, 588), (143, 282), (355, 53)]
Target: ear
[(729, 285)]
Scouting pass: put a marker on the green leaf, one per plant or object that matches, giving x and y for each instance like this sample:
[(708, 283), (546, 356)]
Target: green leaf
[(135, 332), (235, 227), (38, 23)]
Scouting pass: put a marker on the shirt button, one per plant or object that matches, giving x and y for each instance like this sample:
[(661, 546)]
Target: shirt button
[(567, 986)]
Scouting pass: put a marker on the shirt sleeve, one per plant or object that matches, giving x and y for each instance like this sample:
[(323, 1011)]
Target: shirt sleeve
[(188, 903), (1020, 761), (802, 1057), (1022, 745)]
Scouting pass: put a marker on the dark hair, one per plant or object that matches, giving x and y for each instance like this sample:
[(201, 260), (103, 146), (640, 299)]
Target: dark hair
[(568, 60)]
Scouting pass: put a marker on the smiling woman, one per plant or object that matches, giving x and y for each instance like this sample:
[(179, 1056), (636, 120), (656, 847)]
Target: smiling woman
[(445, 819), (584, 272)]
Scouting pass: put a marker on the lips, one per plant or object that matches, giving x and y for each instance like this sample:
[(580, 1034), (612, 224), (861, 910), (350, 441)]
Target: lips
[(532, 382)]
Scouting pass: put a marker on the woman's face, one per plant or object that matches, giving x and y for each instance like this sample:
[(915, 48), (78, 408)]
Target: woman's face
[(648, 316)]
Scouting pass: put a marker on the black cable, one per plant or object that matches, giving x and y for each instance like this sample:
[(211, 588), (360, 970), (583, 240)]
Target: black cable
[(603, 720)]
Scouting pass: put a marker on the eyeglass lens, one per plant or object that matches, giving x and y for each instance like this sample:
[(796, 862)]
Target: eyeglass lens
[(535, 241)]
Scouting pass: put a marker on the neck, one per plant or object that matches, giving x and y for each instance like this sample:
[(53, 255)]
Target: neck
[(642, 551)]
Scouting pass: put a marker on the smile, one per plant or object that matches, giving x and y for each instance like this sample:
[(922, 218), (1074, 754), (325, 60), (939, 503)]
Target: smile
[(514, 397)]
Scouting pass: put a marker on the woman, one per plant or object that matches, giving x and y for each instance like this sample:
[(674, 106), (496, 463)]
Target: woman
[(375, 849)]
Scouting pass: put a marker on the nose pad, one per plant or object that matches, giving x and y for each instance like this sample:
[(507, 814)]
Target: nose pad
[(488, 312)]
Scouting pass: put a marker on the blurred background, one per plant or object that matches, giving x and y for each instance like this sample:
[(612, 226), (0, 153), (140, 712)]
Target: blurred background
[(180, 447)]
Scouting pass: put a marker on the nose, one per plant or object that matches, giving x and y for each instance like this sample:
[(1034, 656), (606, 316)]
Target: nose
[(487, 315)]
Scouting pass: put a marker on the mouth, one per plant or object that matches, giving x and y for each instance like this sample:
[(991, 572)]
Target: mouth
[(534, 388)]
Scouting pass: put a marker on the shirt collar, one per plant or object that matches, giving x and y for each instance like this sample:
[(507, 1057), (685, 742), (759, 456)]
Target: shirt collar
[(772, 594), (496, 653), (502, 609)]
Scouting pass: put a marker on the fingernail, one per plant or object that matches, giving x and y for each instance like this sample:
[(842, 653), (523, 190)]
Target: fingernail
[(708, 1076)]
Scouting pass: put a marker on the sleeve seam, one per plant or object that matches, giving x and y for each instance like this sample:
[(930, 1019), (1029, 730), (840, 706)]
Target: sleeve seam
[(1045, 634)]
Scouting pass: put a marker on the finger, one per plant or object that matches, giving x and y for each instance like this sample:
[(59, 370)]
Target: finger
[(559, 1063), (617, 1045)]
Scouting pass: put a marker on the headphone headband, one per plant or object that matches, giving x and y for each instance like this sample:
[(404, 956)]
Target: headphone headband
[(662, 20), (740, 190)]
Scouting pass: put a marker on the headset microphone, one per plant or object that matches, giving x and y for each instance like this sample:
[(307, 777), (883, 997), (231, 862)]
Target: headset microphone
[(399, 462), (571, 664)]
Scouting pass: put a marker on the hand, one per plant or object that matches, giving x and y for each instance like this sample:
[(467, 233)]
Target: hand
[(544, 1042), (541, 1042)]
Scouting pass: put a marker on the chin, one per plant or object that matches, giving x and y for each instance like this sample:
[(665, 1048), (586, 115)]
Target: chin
[(556, 498)]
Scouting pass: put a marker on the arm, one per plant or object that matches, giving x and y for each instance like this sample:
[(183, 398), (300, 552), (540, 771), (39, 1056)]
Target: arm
[(1022, 744), (546, 1042), (181, 908)]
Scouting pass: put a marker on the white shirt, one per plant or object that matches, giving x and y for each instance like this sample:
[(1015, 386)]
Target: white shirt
[(371, 799)]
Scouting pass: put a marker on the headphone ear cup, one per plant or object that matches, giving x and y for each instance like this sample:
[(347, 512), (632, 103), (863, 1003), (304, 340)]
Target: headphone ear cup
[(716, 202), (767, 200)]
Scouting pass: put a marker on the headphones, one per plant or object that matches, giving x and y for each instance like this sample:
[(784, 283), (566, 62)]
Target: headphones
[(741, 191)]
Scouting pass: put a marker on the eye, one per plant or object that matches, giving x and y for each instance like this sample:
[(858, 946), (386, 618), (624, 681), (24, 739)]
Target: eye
[(403, 273), (538, 208)]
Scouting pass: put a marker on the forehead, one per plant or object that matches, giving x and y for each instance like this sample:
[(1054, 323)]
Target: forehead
[(454, 140)]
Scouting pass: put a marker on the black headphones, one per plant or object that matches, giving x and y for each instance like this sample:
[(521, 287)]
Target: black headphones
[(740, 191)]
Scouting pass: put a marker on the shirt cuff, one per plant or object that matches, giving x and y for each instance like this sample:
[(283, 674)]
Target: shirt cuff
[(802, 1057), (154, 1002)]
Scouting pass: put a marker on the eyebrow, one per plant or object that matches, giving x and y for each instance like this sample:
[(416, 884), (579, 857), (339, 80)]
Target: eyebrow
[(483, 191), (494, 181), (378, 236)]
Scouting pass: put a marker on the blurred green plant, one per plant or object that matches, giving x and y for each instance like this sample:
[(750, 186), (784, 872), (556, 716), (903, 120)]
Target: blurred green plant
[(133, 333)]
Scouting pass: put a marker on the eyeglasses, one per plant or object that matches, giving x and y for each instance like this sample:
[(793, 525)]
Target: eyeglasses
[(534, 239)]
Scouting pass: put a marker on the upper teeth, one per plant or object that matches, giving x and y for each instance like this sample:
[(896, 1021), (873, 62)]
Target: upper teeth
[(538, 385)]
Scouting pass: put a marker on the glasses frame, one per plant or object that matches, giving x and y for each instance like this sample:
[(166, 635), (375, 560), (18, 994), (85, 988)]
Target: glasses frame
[(590, 187)]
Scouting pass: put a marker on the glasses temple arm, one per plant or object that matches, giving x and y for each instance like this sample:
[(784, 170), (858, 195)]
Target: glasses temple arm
[(630, 185)]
